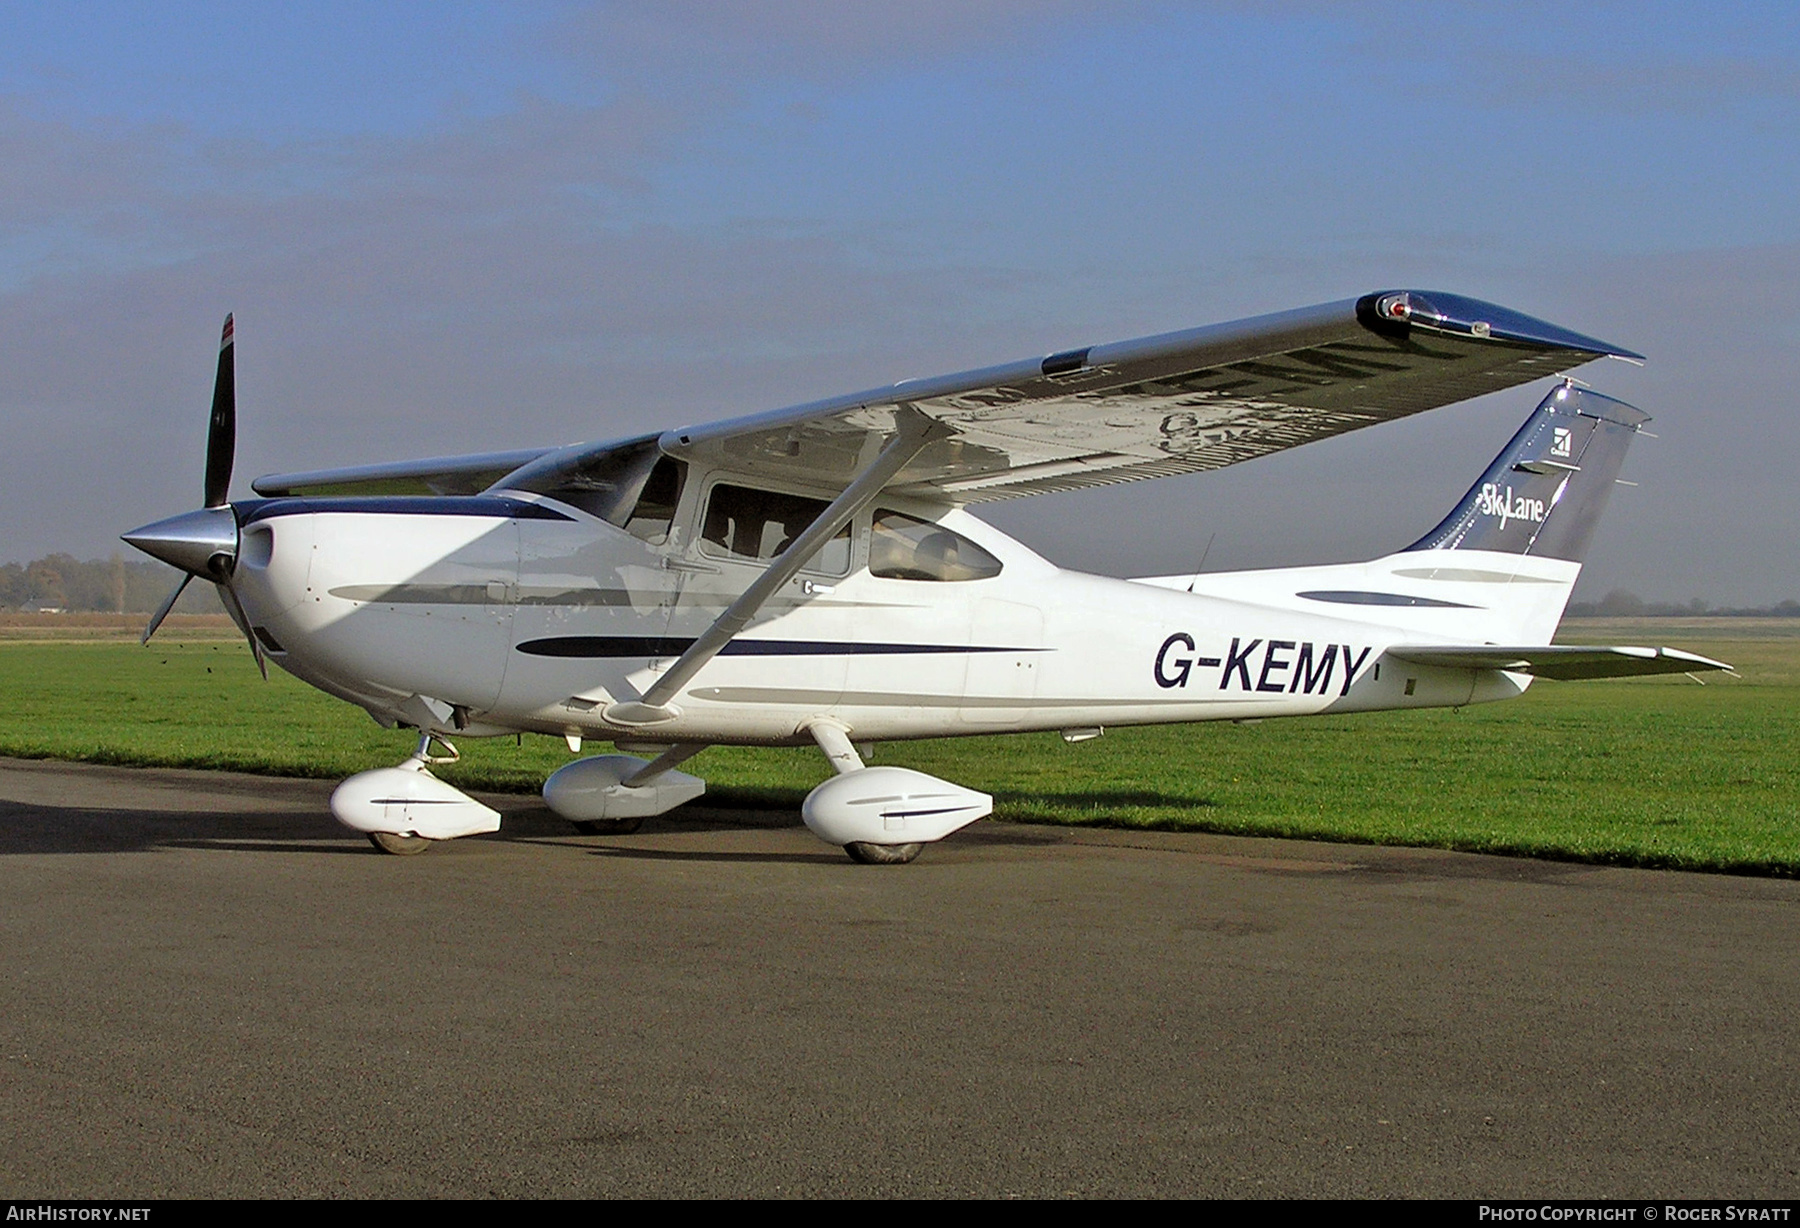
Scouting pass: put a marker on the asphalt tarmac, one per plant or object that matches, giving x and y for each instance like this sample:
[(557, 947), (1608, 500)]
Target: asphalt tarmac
[(211, 989)]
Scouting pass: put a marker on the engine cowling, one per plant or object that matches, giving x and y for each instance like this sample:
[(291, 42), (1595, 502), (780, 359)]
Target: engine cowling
[(891, 805)]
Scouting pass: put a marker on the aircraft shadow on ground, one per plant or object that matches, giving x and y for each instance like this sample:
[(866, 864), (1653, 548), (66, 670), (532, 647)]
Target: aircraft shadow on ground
[(27, 828), (627, 852), (33, 828), (1113, 799)]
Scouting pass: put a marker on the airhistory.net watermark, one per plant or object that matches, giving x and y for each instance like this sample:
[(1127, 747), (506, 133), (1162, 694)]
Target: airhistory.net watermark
[(77, 1213)]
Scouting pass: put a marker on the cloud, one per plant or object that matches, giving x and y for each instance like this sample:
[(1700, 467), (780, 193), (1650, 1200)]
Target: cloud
[(1607, 60), (398, 296), (614, 251), (1714, 503), (697, 41)]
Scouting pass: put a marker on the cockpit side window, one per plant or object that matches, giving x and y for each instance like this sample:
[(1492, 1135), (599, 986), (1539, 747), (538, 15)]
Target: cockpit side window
[(759, 524), (907, 548)]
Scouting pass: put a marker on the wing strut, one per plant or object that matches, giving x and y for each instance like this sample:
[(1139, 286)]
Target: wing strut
[(915, 430)]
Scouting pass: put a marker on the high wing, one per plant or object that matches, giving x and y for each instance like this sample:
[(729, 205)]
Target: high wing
[(1181, 402), (446, 475), (1567, 662)]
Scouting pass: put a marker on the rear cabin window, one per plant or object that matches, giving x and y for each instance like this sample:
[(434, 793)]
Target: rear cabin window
[(759, 524), (907, 548)]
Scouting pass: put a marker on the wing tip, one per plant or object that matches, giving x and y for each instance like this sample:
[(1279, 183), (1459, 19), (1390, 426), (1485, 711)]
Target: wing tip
[(1399, 311)]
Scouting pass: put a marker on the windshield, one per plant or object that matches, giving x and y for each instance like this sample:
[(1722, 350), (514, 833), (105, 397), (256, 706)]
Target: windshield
[(631, 485)]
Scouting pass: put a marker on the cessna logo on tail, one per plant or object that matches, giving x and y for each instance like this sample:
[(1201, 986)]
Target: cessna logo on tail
[(1505, 506), (1283, 666)]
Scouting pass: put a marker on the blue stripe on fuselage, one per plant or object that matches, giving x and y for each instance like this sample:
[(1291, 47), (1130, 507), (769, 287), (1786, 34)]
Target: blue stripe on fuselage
[(629, 646)]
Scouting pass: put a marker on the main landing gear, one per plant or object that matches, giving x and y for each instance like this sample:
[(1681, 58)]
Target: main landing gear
[(883, 816), (879, 816), (612, 795)]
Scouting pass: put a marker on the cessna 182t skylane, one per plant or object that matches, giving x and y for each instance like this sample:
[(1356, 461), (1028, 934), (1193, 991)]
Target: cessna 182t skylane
[(812, 575)]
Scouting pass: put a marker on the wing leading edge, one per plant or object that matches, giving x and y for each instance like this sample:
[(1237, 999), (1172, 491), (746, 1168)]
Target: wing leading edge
[(440, 476), (1181, 402)]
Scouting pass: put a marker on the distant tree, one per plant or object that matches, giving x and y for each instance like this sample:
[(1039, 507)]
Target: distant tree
[(44, 581), (1620, 603), (110, 586), (12, 586)]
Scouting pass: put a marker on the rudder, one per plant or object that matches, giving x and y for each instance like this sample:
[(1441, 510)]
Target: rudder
[(1543, 495)]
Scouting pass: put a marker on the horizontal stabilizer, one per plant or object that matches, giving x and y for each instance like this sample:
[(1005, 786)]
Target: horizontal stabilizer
[(1566, 662)]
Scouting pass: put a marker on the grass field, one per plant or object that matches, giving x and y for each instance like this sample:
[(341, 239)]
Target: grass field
[(1654, 772)]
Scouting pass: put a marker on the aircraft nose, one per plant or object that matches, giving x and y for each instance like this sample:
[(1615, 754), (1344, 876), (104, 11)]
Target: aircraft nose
[(203, 542)]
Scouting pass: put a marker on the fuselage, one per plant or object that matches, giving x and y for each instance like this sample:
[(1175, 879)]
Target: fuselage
[(808, 574), (512, 611)]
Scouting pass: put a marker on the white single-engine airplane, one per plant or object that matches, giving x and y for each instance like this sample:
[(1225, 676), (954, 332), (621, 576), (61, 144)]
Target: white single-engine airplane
[(811, 575)]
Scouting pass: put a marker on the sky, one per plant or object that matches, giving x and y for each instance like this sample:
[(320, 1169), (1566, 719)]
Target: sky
[(461, 227)]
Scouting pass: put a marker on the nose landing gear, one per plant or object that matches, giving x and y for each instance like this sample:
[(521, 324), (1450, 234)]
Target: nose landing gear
[(404, 810)]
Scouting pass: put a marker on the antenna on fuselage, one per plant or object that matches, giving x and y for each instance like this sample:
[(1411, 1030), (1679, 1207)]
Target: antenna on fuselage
[(1201, 566)]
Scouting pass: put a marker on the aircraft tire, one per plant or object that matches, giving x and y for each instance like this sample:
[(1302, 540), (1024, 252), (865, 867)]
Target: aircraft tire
[(398, 845), (882, 854), (607, 827)]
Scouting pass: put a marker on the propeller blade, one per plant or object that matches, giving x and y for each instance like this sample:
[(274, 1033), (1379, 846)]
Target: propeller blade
[(236, 610), (168, 604), (221, 431)]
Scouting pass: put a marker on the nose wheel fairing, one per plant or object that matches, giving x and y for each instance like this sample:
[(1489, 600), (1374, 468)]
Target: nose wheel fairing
[(397, 805)]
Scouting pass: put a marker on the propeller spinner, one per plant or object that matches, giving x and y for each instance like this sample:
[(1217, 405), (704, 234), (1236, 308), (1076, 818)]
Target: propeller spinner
[(204, 542)]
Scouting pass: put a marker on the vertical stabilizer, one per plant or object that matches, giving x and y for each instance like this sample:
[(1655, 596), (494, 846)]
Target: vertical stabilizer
[(1544, 493)]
